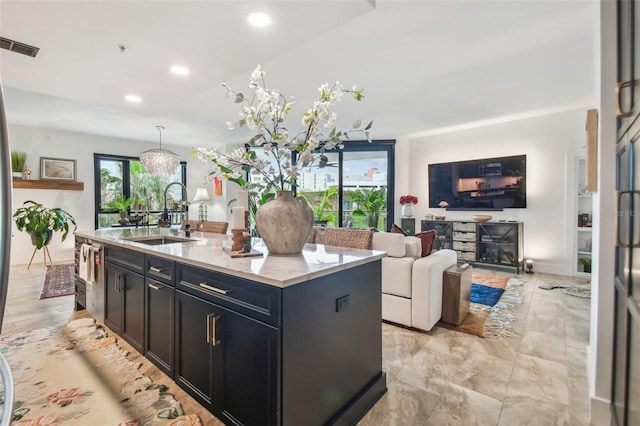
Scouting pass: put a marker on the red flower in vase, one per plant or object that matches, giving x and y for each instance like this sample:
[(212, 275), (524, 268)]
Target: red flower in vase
[(408, 199)]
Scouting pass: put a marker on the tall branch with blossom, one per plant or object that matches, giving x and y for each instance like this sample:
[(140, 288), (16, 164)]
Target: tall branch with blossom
[(264, 112)]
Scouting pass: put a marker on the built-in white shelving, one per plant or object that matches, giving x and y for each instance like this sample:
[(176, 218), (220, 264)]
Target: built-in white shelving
[(582, 219)]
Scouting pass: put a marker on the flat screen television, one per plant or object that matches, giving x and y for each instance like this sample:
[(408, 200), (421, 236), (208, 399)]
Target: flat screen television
[(486, 184)]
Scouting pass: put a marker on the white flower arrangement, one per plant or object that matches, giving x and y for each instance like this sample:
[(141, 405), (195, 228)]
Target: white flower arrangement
[(264, 112)]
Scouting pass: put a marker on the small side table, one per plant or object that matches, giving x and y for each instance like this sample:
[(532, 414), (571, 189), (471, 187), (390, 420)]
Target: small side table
[(408, 225), (456, 293)]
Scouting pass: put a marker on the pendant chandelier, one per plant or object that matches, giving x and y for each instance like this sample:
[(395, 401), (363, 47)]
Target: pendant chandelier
[(160, 161)]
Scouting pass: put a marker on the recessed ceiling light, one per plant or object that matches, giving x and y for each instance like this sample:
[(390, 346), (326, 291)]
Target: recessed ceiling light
[(179, 70), (133, 98), (259, 19)]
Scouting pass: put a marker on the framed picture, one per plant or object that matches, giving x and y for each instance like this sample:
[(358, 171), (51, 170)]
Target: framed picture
[(57, 169)]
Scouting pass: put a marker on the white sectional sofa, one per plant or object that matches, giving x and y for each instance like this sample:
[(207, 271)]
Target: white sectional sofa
[(411, 285)]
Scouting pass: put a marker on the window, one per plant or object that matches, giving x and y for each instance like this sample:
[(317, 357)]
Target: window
[(125, 177), (354, 189), (365, 187)]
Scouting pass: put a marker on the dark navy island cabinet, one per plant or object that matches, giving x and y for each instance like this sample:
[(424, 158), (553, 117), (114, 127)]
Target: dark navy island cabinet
[(249, 352)]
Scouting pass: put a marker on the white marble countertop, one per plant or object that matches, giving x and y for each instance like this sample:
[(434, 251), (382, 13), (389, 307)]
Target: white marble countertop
[(206, 251)]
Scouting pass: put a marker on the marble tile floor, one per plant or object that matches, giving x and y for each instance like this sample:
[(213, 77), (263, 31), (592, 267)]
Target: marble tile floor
[(536, 376)]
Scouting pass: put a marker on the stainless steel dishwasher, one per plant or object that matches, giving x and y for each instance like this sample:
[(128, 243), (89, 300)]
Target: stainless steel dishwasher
[(91, 289)]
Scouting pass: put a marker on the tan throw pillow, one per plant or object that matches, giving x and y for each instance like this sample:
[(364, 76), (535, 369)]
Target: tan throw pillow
[(413, 247)]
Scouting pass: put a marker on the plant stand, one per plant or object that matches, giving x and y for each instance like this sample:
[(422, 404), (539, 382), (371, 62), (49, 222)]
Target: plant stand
[(45, 253)]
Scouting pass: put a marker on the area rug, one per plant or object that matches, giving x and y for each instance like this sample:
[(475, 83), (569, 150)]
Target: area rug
[(484, 295), (494, 320), (78, 375), (58, 281), (490, 280), (582, 290)]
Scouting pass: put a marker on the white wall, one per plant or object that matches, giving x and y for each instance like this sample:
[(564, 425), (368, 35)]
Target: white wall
[(600, 349), (38, 142), (548, 141)]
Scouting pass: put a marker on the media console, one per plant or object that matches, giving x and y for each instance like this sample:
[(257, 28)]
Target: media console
[(498, 244)]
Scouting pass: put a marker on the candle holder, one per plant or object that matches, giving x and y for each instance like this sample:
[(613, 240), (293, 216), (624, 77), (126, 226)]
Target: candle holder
[(241, 244), (238, 239), (247, 242)]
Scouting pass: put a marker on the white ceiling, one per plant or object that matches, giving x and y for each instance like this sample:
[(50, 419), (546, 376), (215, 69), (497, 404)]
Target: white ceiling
[(424, 65)]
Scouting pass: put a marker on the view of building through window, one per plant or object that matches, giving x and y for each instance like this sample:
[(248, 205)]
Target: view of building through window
[(359, 200)]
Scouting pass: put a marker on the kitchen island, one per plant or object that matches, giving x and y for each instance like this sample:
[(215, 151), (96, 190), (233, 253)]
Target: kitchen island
[(269, 340)]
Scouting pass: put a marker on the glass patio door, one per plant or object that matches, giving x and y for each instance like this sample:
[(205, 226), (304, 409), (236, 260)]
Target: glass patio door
[(365, 189), (353, 187)]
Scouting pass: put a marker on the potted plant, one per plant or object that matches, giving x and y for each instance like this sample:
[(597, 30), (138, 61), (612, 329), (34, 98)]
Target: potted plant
[(41, 222), (121, 205), (18, 161), (264, 112), (586, 264), (408, 202)]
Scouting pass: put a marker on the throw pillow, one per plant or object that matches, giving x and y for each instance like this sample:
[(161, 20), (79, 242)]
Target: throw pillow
[(395, 228), (413, 247), (427, 238)]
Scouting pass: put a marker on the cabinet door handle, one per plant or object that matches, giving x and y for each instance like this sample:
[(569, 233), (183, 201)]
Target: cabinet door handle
[(214, 329), (155, 269), (212, 325), (117, 283), (620, 112), (216, 289), (155, 287)]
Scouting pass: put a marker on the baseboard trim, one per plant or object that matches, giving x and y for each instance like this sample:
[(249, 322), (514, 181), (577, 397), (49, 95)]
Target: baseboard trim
[(599, 411)]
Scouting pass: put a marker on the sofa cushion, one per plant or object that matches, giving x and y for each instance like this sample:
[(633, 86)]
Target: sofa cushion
[(396, 276), (397, 230), (427, 238), (396, 309), (413, 247), (392, 243)]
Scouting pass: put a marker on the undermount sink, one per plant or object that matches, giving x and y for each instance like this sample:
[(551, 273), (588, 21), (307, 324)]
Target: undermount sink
[(159, 240)]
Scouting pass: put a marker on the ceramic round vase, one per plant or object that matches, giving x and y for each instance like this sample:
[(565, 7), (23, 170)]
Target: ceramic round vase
[(408, 210), (284, 223)]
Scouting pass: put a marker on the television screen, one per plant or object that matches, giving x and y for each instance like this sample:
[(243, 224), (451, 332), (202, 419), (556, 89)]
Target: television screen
[(487, 184)]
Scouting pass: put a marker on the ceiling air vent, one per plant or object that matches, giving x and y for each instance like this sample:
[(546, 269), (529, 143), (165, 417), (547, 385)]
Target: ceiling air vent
[(16, 46)]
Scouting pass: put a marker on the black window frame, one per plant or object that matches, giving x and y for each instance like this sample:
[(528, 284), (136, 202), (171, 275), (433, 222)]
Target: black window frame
[(387, 145), (126, 182), (379, 145)]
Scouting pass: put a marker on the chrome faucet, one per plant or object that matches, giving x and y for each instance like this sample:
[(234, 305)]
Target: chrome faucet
[(164, 221)]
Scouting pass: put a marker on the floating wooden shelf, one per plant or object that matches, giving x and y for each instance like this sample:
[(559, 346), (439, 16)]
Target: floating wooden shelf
[(48, 184)]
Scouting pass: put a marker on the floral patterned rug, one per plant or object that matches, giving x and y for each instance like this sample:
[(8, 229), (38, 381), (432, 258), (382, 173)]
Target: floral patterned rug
[(58, 281), (78, 375)]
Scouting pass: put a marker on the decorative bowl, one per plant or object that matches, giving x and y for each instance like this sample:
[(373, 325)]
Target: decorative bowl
[(482, 217)]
